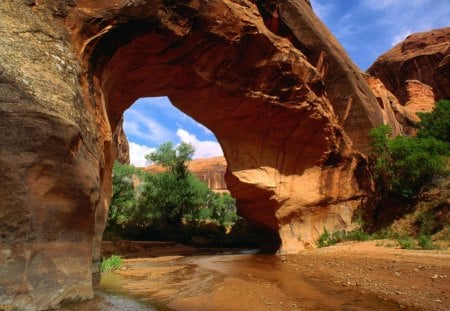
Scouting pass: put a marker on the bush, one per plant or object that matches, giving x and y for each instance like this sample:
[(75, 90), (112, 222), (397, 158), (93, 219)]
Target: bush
[(425, 242), (328, 239), (357, 235), (436, 124), (111, 263), (405, 242), (404, 165)]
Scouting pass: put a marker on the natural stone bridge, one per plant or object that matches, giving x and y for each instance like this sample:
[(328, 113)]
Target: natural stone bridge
[(289, 108)]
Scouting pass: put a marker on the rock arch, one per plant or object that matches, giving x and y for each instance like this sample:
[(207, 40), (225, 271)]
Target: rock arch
[(291, 136)]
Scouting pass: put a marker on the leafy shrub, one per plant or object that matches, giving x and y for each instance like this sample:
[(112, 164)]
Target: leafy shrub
[(405, 242), (436, 124), (111, 263), (357, 235), (328, 239), (425, 242), (385, 233), (404, 165)]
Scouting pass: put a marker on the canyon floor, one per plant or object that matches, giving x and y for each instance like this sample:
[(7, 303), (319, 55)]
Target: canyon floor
[(348, 276)]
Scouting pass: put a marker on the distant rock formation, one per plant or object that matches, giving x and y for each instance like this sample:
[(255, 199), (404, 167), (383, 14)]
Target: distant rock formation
[(417, 70), (209, 170)]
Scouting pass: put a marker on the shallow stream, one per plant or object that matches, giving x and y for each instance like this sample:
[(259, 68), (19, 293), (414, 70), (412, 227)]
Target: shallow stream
[(224, 282)]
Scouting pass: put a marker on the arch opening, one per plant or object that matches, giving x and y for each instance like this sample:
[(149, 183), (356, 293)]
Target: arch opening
[(145, 198), (256, 92), (151, 121)]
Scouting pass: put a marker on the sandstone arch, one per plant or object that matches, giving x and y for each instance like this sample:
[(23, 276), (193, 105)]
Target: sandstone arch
[(70, 68)]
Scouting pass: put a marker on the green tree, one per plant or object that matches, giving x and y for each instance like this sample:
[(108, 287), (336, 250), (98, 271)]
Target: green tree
[(125, 194), (175, 194), (169, 198), (223, 209), (176, 160), (404, 165), (436, 124)]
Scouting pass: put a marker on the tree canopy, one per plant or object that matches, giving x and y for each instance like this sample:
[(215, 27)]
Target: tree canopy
[(404, 165), (176, 160)]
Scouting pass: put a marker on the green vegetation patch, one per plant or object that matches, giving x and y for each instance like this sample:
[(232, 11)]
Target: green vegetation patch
[(111, 263), (173, 205), (404, 165), (328, 239)]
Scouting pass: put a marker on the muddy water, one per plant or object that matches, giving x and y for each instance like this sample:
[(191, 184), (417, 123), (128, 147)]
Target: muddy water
[(225, 282)]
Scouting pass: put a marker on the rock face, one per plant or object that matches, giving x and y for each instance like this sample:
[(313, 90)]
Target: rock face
[(49, 164), (417, 70), (395, 111), (289, 108), (210, 170), (121, 144)]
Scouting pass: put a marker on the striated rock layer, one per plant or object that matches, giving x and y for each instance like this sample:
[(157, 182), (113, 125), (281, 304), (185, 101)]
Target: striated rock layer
[(417, 70), (121, 143), (209, 170), (289, 108)]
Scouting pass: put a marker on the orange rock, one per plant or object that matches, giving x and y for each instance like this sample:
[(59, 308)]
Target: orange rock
[(420, 97), (290, 110), (391, 107), (121, 144), (416, 70)]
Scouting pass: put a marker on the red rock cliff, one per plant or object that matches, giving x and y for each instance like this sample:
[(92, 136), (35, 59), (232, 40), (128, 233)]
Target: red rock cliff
[(290, 110), (417, 70)]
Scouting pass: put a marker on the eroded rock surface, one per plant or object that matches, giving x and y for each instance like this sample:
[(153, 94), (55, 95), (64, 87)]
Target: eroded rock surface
[(121, 144), (417, 70), (49, 164), (392, 108), (289, 108)]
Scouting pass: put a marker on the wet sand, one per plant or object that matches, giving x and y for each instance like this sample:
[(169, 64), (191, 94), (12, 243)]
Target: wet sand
[(352, 276)]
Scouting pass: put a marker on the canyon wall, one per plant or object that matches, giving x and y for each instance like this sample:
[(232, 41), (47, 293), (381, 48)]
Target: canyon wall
[(50, 163), (289, 108), (416, 71)]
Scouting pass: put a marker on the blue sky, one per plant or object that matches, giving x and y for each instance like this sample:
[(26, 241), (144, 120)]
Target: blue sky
[(366, 29), (153, 121)]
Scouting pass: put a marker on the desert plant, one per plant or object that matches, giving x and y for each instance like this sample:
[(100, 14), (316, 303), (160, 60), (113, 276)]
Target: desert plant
[(111, 263), (425, 242), (326, 239), (405, 242)]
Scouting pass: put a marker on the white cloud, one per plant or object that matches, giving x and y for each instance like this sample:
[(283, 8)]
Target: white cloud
[(137, 154), (203, 149), (397, 19), (145, 127), (323, 10), (401, 36)]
